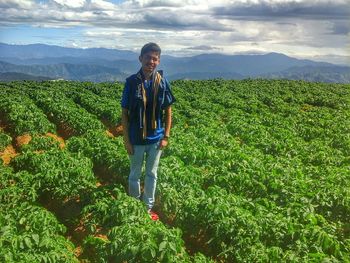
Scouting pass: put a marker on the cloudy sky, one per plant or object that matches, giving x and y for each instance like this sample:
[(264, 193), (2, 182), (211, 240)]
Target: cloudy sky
[(314, 29)]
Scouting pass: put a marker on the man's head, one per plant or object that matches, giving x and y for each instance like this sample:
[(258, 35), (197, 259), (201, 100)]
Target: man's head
[(150, 57)]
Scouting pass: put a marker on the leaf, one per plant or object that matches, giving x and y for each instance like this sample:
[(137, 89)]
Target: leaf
[(5, 229), (153, 253), (21, 245), (28, 242), (172, 246), (35, 237), (43, 242), (162, 245)]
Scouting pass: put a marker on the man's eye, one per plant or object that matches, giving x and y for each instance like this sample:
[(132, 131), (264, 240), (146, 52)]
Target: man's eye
[(152, 58)]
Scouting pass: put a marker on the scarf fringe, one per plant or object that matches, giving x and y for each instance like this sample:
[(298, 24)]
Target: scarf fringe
[(155, 87)]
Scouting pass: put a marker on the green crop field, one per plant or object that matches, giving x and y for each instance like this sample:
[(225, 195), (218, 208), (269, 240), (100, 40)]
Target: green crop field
[(256, 171)]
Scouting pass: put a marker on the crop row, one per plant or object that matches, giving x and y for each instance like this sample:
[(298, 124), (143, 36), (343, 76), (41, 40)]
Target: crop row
[(110, 154), (63, 176), (22, 115), (96, 99), (67, 115), (264, 158), (29, 232), (258, 174), (59, 176)]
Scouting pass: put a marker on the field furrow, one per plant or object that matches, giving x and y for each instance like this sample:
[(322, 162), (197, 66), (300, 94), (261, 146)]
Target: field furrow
[(255, 171)]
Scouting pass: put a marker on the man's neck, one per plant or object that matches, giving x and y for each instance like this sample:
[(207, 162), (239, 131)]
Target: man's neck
[(147, 75)]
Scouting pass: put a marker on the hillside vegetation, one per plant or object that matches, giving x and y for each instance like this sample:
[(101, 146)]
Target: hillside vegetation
[(37, 61), (256, 171)]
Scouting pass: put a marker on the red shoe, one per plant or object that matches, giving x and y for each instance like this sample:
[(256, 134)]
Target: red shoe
[(153, 215)]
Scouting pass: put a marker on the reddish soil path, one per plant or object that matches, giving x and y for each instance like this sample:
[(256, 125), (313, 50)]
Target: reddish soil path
[(22, 140), (7, 154), (57, 138), (115, 131)]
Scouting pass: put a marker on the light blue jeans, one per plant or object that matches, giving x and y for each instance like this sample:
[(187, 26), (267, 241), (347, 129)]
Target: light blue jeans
[(151, 153)]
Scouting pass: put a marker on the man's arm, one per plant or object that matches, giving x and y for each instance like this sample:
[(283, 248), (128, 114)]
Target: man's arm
[(167, 121), (164, 141), (125, 123)]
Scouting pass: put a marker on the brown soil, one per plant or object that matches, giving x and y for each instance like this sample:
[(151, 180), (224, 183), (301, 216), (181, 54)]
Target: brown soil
[(116, 130), (199, 243), (3, 125), (57, 138), (109, 134), (78, 251), (65, 131), (102, 236), (100, 184), (79, 233), (65, 210), (104, 175), (167, 219), (23, 140), (193, 243), (7, 154)]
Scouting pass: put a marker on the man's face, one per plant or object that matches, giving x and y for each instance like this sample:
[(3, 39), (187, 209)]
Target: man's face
[(149, 61)]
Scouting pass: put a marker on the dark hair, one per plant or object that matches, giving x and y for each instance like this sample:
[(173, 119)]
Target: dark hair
[(150, 47)]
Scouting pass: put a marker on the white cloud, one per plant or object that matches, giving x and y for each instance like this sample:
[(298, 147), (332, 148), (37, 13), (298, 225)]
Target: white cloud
[(102, 5), (154, 3), (25, 4), (103, 34), (292, 27), (71, 3)]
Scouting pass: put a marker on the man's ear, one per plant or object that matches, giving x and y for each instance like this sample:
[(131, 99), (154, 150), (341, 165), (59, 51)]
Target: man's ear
[(140, 58)]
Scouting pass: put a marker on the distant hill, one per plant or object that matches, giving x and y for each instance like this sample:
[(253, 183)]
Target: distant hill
[(11, 76), (339, 74), (206, 75), (38, 51), (100, 64), (246, 65), (66, 71)]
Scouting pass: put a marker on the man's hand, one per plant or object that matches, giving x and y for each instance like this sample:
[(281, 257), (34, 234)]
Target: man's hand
[(129, 148), (163, 143)]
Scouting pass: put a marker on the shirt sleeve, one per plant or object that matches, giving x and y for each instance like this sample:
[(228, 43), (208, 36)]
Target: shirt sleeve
[(168, 96), (125, 97)]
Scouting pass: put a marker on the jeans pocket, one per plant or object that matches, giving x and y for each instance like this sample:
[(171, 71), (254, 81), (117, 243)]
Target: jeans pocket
[(158, 147)]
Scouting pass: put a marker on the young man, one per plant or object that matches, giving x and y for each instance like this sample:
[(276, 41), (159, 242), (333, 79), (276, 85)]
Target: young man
[(146, 102)]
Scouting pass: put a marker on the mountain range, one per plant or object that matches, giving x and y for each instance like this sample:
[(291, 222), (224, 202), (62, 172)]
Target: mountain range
[(39, 61)]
